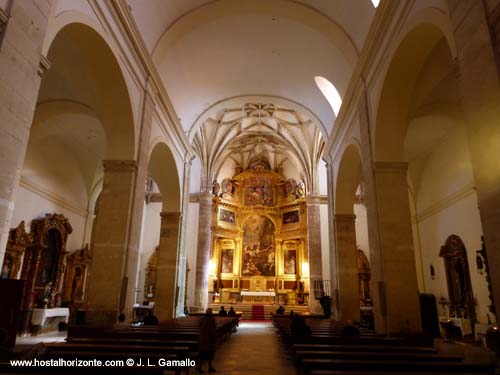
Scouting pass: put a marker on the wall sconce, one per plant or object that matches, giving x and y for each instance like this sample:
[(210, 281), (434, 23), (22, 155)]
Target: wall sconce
[(433, 273)]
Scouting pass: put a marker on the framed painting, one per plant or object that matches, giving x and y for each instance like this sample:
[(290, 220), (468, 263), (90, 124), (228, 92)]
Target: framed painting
[(290, 258), (226, 216), (291, 217), (226, 261)]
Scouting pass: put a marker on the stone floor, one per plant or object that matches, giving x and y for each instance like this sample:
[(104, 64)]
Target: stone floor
[(254, 349)]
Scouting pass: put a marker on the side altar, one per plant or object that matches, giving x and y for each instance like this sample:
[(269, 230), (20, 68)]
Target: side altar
[(259, 239)]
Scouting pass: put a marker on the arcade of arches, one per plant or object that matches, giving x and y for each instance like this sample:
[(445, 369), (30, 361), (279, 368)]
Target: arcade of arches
[(190, 153)]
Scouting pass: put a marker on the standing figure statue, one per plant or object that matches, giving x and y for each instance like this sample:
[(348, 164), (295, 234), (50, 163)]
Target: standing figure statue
[(215, 188), (47, 295)]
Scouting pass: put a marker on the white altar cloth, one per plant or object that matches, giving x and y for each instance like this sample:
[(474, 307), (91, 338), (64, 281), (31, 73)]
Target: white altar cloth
[(464, 324), (257, 294), (40, 315)]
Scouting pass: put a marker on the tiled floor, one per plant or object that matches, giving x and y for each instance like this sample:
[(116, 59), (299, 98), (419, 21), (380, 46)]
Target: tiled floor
[(254, 349)]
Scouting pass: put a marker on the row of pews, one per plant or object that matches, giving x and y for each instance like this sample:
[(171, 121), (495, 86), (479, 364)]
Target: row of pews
[(328, 352), (137, 350)]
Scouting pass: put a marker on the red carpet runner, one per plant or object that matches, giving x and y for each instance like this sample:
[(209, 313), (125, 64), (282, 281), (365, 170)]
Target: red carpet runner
[(258, 312)]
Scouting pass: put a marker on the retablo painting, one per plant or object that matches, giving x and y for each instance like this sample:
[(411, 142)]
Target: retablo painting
[(226, 216), (259, 191), (226, 261), (259, 254), (291, 217), (290, 266)]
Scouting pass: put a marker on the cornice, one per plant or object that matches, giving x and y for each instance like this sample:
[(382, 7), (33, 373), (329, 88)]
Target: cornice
[(443, 204), (52, 197)]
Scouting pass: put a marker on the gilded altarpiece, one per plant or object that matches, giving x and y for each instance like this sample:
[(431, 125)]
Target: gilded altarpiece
[(17, 244), (259, 229), (77, 270), (44, 262)]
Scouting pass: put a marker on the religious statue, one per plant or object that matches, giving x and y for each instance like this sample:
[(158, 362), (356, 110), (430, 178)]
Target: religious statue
[(53, 297), (300, 190), (215, 188), (47, 294), (6, 268)]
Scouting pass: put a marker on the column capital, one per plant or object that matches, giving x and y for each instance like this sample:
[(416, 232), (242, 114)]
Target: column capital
[(390, 166), (119, 165), (313, 199), (202, 196), (345, 217), (170, 216)]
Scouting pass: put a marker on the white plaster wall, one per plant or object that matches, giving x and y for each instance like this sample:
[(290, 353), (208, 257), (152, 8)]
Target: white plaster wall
[(362, 228), (322, 179), (447, 204), (150, 239), (290, 170), (462, 219), (29, 206), (195, 176)]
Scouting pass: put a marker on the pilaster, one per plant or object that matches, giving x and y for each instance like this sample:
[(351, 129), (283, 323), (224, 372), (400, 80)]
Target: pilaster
[(167, 265), (348, 285)]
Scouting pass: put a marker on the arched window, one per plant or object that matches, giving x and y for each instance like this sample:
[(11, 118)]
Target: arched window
[(330, 92)]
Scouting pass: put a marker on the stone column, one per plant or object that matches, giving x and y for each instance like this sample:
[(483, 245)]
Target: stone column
[(476, 26), (314, 249), (137, 203), (203, 256), (22, 29), (396, 286), (167, 265), (347, 253), (107, 282)]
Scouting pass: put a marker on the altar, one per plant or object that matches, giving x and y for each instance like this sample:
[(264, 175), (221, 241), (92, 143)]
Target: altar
[(465, 325), (47, 320), (248, 296)]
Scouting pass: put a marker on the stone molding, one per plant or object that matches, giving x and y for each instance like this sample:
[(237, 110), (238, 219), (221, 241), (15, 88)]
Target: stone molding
[(448, 201), (201, 196), (43, 66), (170, 217), (345, 223), (52, 197), (314, 200), (390, 167), (345, 217), (120, 166)]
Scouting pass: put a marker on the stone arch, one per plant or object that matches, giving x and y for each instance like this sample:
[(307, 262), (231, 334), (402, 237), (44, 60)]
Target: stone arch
[(345, 257), (395, 102), (85, 70), (163, 170), (348, 179)]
